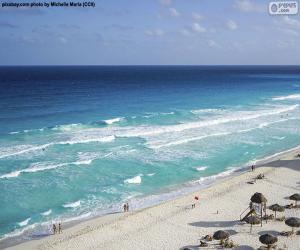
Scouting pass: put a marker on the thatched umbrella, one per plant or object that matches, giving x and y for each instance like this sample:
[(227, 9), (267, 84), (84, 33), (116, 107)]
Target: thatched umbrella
[(276, 208), (260, 199), (293, 222), (221, 235), (253, 220), (268, 239), (295, 197)]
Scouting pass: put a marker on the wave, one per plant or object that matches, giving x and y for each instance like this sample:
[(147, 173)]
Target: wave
[(156, 130), (69, 127), (72, 204), (112, 121), (135, 180), (201, 168), (201, 111), (279, 137), (197, 138), (287, 97), (204, 180), (151, 174), (26, 131), (24, 222), (37, 167), (46, 212), (22, 149)]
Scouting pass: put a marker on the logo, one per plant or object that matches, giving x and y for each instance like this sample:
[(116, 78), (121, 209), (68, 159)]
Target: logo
[(283, 8)]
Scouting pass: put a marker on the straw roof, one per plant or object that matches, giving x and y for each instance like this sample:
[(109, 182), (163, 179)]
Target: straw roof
[(293, 222), (276, 208), (220, 235), (295, 197), (253, 220), (258, 198), (268, 239)]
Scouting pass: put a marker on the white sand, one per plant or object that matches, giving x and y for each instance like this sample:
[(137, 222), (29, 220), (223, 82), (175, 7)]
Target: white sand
[(174, 225)]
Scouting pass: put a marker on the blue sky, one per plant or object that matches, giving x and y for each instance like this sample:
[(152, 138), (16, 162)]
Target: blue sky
[(126, 32)]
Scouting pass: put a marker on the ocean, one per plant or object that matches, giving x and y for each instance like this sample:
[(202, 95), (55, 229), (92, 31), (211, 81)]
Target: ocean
[(78, 142)]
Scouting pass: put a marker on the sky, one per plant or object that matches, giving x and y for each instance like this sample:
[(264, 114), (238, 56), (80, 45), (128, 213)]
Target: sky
[(150, 32)]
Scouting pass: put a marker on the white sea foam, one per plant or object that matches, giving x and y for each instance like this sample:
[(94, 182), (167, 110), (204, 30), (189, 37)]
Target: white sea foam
[(114, 120), (46, 212), (42, 166), (287, 97), (135, 180), (13, 133), (24, 222), (22, 149), (202, 168), (151, 174), (156, 130), (72, 204), (279, 137), (201, 111), (208, 179), (68, 127)]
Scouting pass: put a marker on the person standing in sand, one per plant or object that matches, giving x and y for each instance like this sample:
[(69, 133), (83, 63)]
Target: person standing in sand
[(127, 207), (124, 207), (54, 228), (59, 228)]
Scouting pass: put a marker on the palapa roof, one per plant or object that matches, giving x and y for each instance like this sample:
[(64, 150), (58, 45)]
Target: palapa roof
[(268, 239), (254, 220), (258, 198), (295, 197), (293, 222), (220, 235), (276, 208)]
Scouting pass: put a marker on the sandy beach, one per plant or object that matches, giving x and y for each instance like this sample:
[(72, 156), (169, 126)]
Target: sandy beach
[(175, 224)]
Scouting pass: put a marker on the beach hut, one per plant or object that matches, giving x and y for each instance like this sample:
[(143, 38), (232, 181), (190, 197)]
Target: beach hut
[(268, 239), (221, 235), (295, 197), (293, 222), (276, 208), (253, 220), (260, 199)]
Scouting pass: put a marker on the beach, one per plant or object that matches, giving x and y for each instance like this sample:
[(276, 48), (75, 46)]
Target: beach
[(175, 225)]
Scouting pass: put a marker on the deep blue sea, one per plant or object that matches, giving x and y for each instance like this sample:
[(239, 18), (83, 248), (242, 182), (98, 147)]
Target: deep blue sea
[(77, 142)]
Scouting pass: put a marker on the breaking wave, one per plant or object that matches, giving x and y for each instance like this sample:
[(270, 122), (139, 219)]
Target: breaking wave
[(287, 97), (135, 180), (72, 204)]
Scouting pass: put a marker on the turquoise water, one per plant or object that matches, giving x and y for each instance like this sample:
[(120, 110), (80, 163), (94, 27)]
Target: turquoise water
[(77, 142)]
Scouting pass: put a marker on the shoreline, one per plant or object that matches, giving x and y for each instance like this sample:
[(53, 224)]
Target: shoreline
[(186, 190)]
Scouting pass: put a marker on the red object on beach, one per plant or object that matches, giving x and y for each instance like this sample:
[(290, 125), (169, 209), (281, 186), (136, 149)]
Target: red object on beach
[(196, 198)]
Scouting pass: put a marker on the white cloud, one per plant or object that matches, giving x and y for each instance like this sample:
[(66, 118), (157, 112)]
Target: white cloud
[(197, 16), (213, 44), (174, 12), (62, 40), (156, 32), (293, 23), (249, 6), (185, 32), (198, 28), (231, 25), (165, 2), (288, 26)]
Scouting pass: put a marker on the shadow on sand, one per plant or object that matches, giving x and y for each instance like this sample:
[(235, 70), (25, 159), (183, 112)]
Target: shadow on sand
[(292, 164), (215, 223)]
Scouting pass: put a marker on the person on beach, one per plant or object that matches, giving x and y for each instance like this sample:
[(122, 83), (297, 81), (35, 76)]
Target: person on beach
[(252, 168), (54, 228), (127, 207), (59, 228)]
